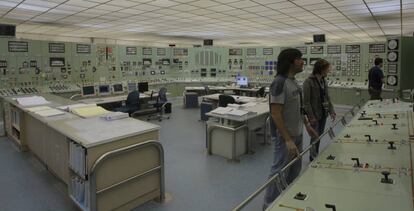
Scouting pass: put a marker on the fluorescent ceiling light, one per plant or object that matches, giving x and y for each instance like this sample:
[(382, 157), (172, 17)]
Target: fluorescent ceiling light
[(32, 7)]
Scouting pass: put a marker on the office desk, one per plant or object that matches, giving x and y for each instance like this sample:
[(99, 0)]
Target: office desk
[(200, 90), (246, 91), (116, 98), (98, 160), (220, 89), (237, 98), (116, 101), (238, 128)]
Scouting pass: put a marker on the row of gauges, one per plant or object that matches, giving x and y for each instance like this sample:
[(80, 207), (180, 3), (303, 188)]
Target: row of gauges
[(392, 58), (235, 62)]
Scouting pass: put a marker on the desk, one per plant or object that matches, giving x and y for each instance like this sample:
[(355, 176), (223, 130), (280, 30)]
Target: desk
[(258, 113), (341, 183), (112, 102), (98, 160), (220, 89), (237, 98), (116, 98)]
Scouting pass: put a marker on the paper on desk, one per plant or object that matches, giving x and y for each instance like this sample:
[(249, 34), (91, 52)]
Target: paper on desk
[(89, 111), (221, 110), (249, 104), (49, 112), (73, 106), (237, 112), (115, 116), (38, 108), (233, 105), (32, 101)]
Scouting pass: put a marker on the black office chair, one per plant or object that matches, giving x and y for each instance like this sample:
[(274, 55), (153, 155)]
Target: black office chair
[(131, 104), (162, 105), (225, 99), (206, 90), (261, 92)]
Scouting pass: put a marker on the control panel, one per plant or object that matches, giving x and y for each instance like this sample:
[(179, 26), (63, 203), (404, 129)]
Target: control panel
[(65, 66)]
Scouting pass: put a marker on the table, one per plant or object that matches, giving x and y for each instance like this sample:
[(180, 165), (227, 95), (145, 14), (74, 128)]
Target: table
[(234, 130), (97, 159), (335, 179), (220, 89)]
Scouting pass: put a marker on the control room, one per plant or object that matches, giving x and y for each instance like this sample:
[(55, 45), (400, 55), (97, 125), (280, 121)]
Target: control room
[(172, 105)]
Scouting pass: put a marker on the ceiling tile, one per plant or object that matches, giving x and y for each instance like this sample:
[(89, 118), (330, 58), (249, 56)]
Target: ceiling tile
[(221, 8), (257, 9), (184, 7), (132, 11), (108, 7), (204, 3), (243, 4), (30, 7), (281, 5), (8, 4), (139, 1), (163, 3), (70, 8), (81, 3), (145, 7)]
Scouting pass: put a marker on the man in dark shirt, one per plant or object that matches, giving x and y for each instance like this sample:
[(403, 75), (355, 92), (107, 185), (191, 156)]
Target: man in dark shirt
[(375, 79)]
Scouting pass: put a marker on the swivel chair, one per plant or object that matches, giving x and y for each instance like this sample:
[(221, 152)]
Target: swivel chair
[(224, 100), (206, 90), (162, 105), (261, 92), (131, 104)]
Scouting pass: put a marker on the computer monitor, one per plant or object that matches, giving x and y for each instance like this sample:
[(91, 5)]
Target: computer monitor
[(104, 89), (132, 86), (118, 88), (88, 91), (242, 81), (143, 87)]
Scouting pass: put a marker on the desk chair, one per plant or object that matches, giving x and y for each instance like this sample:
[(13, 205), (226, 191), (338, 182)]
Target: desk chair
[(162, 105), (206, 90), (261, 92), (190, 100), (131, 104), (225, 99)]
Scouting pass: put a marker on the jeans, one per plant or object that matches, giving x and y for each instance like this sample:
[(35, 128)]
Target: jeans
[(280, 159), (319, 127)]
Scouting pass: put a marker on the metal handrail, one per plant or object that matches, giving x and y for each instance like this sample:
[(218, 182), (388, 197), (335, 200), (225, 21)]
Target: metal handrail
[(75, 95), (297, 158), (93, 191)]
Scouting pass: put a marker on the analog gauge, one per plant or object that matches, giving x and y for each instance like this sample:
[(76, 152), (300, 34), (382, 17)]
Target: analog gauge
[(392, 44), (392, 56), (392, 80)]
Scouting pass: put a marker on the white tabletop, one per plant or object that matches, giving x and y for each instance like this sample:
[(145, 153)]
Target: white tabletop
[(254, 106), (95, 131), (339, 183)]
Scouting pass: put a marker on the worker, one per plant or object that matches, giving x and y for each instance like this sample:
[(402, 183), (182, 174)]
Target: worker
[(317, 102), (375, 79), (287, 120)]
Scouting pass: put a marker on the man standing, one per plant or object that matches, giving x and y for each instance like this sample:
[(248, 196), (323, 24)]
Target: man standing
[(286, 110), (375, 80), (317, 101)]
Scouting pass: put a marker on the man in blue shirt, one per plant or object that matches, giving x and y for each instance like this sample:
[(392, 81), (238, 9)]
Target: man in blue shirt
[(375, 80)]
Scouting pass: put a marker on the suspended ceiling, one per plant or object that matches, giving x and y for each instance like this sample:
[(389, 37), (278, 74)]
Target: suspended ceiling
[(228, 22)]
